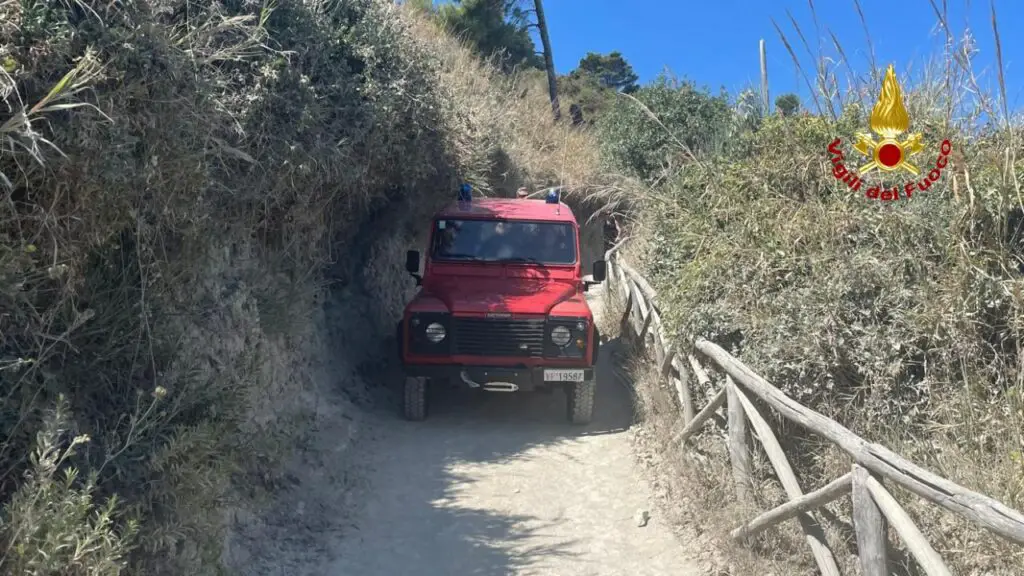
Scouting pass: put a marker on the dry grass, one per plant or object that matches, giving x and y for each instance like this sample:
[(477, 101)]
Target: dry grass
[(170, 209), (691, 482), (177, 181), (525, 145), (963, 423), (901, 320)]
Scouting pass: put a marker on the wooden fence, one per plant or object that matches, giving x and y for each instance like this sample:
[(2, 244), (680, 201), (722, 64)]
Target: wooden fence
[(874, 508)]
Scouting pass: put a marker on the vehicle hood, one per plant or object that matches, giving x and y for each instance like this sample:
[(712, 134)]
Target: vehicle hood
[(469, 294)]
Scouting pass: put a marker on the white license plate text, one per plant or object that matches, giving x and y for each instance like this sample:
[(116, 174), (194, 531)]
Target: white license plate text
[(563, 375)]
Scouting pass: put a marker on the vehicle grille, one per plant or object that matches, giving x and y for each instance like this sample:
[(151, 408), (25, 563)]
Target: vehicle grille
[(489, 337)]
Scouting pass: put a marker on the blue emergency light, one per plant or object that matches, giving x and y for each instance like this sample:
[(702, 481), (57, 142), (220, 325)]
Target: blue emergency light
[(552, 196), (466, 193)]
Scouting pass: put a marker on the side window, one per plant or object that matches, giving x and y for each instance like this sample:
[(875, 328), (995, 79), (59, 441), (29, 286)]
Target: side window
[(445, 237)]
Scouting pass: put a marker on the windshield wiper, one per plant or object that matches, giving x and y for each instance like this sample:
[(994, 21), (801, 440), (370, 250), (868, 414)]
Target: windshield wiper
[(472, 258), (469, 257), (522, 259)]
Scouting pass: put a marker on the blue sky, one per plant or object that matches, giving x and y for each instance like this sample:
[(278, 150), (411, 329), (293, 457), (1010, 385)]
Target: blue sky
[(715, 43)]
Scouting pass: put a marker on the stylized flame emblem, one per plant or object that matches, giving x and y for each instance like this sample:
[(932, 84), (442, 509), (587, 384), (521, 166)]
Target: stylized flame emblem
[(889, 119)]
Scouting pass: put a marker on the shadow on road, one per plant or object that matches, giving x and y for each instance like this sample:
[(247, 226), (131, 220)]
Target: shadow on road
[(445, 496), (533, 414)]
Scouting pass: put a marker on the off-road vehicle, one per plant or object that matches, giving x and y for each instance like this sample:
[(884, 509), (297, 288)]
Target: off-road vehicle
[(501, 304)]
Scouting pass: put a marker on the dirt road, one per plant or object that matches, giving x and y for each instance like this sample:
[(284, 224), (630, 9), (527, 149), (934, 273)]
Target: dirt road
[(490, 484)]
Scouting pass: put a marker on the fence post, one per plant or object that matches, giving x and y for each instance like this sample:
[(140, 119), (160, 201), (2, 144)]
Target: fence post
[(625, 326), (739, 451), (870, 526)]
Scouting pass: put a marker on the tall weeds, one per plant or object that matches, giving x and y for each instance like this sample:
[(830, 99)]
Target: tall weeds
[(176, 179), (899, 319)]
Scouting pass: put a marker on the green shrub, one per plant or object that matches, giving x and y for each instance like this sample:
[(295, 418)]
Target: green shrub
[(587, 92), (634, 142), (52, 525)]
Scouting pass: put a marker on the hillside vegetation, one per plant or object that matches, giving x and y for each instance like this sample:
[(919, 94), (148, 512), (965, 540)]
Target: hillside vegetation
[(186, 184), (177, 180), (902, 320)]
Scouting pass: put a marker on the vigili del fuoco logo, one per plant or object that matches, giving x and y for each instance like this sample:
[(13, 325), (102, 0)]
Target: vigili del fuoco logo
[(890, 154)]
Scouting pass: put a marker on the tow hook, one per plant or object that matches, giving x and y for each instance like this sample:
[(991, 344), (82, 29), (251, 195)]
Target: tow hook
[(500, 387), (490, 386)]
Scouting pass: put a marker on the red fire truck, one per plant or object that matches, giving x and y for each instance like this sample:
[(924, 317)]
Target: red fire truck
[(501, 304)]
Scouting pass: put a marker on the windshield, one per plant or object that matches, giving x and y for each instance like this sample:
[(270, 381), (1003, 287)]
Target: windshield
[(502, 240)]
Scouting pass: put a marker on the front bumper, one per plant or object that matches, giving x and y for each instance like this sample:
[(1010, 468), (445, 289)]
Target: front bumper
[(524, 379)]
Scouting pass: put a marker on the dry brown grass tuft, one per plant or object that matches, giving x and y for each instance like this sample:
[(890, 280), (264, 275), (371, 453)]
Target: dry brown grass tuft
[(527, 147)]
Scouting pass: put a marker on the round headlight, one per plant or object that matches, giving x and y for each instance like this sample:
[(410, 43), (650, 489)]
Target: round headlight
[(561, 336), (435, 332)]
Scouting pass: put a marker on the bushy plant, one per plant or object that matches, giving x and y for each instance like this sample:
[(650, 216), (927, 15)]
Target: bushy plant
[(52, 525), (645, 135), (495, 29), (176, 178), (901, 320), (587, 92)]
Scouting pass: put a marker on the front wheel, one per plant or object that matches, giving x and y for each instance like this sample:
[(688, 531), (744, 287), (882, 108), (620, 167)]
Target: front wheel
[(414, 399), (581, 401)]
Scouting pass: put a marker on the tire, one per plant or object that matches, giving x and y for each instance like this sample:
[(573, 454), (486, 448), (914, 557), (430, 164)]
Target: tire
[(414, 399), (581, 402)]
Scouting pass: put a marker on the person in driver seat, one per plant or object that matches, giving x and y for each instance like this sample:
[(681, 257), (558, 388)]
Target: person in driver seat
[(500, 243), (556, 245)]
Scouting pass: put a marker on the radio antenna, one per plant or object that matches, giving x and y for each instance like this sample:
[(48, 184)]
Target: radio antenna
[(561, 173)]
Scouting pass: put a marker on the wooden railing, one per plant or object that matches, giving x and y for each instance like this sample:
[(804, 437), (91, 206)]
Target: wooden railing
[(874, 508)]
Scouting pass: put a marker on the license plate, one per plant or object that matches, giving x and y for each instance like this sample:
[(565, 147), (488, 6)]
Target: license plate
[(563, 375)]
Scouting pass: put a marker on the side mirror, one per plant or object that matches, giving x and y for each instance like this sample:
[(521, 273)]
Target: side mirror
[(412, 261), (600, 270), (412, 265)]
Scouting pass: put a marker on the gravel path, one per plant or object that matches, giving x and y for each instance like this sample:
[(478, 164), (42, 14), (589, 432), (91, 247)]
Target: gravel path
[(489, 484)]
